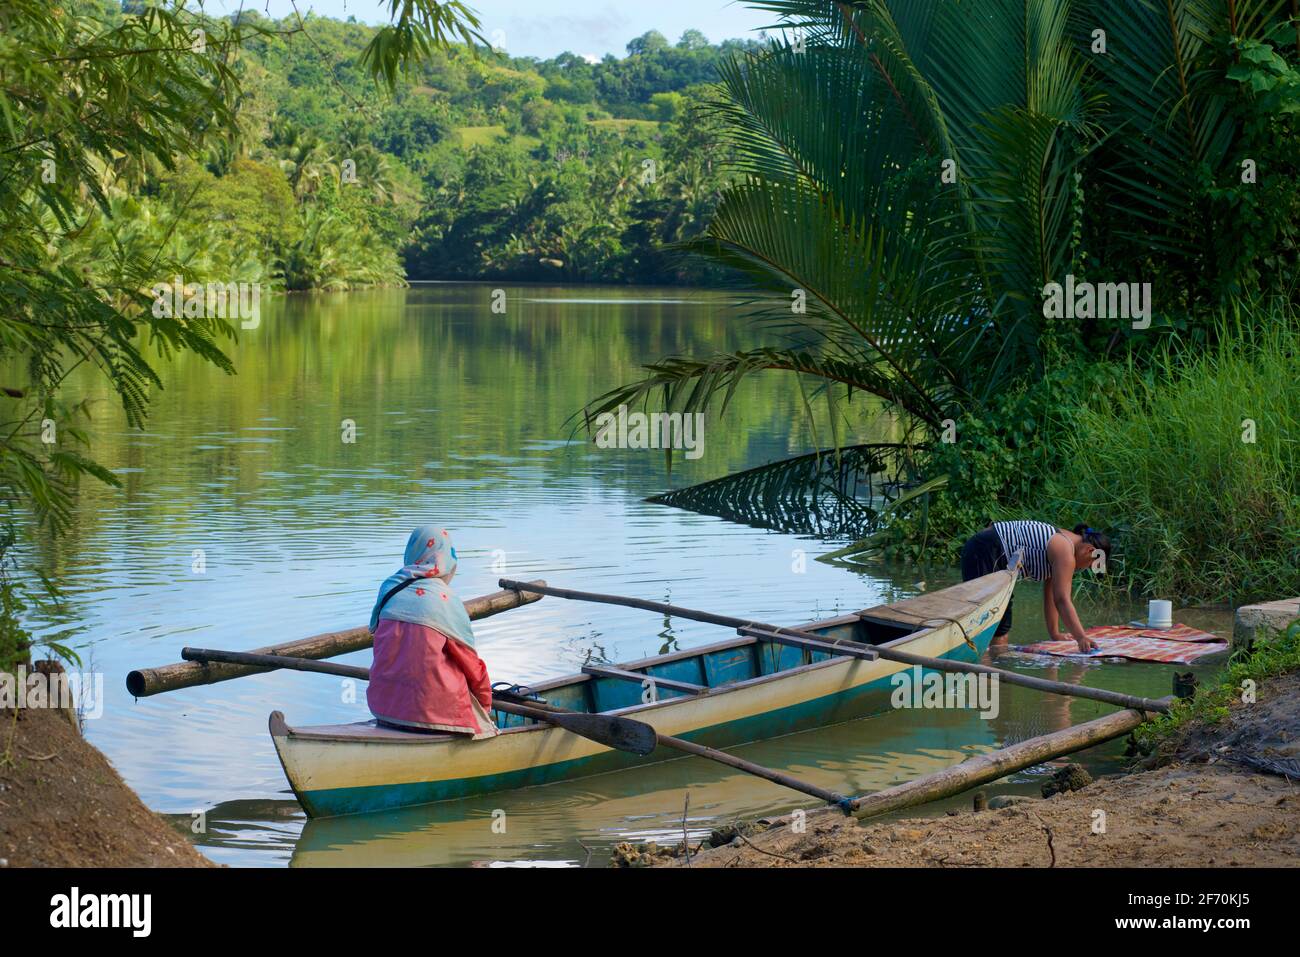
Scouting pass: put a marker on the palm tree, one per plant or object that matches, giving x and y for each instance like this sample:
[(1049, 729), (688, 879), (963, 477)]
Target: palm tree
[(624, 172), (913, 173), (302, 155), (374, 174), (689, 190)]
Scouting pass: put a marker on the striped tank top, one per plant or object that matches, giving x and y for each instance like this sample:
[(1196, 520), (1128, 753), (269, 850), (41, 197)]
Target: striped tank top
[(1032, 538)]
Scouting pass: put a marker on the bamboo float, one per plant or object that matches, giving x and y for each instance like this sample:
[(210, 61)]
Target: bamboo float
[(187, 674), (799, 638), (1000, 763), (986, 768)]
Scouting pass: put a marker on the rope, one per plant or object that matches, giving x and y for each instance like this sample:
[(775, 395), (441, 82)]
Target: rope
[(917, 619)]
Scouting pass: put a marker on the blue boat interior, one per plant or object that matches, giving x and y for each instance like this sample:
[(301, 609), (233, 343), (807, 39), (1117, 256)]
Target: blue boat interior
[(603, 688)]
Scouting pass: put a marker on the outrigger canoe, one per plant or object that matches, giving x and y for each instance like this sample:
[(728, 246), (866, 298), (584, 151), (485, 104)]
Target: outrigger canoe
[(721, 695)]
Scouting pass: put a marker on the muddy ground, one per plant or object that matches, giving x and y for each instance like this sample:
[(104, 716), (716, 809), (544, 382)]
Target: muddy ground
[(1204, 801), (63, 805)]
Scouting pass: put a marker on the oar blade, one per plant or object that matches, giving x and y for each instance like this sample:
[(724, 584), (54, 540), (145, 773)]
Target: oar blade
[(623, 734)]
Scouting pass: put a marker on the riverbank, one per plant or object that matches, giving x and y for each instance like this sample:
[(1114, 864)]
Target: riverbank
[(1201, 801), (63, 805)]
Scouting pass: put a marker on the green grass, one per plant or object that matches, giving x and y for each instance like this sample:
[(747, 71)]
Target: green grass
[(472, 136), (1197, 513), (645, 127)]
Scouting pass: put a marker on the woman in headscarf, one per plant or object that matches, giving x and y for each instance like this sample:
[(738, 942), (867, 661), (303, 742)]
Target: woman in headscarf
[(426, 675)]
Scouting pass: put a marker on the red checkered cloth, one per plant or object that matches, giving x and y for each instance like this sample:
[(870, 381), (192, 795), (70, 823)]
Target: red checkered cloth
[(1178, 645)]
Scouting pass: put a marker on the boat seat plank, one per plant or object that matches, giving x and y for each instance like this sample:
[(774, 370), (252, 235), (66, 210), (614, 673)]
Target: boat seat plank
[(936, 607), (640, 678), (367, 731)]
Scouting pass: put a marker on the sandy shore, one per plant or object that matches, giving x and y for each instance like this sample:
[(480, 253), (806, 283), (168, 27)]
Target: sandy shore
[(1203, 805), (63, 805)]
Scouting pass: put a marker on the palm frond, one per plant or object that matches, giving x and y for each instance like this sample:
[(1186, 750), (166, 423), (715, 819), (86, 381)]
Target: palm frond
[(826, 493), (1178, 128), (855, 553)]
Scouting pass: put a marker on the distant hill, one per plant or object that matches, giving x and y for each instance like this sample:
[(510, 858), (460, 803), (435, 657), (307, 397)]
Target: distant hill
[(498, 167), (476, 166)]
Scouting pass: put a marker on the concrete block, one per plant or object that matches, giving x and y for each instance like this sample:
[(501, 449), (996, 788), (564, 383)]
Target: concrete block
[(1260, 622)]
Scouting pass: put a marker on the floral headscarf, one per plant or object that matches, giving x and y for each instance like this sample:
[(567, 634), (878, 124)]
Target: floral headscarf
[(429, 555)]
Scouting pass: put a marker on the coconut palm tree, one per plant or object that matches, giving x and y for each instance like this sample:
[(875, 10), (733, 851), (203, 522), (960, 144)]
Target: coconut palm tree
[(913, 173), (302, 155)]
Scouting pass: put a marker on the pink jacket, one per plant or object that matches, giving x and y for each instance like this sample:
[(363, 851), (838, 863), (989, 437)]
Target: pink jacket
[(422, 678)]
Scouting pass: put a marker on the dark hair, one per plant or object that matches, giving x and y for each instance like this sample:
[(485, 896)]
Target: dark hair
[(1096, 539)]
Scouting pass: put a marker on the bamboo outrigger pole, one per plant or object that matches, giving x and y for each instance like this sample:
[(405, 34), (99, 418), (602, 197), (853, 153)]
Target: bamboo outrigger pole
[(186, 674), (866, 652), (984, 768)]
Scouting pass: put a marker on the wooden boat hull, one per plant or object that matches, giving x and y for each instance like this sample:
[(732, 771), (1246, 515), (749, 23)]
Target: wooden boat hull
[(757, 690)]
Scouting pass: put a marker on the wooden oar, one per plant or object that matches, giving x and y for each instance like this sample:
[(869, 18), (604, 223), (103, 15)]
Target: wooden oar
[(868, 653), (845, 804), (612, 731), (623, 734)]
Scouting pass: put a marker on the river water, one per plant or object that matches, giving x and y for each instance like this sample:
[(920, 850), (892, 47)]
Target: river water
[(245, 519)]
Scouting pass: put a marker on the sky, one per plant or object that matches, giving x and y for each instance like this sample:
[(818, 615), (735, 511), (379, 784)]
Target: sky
[(545, 28)]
